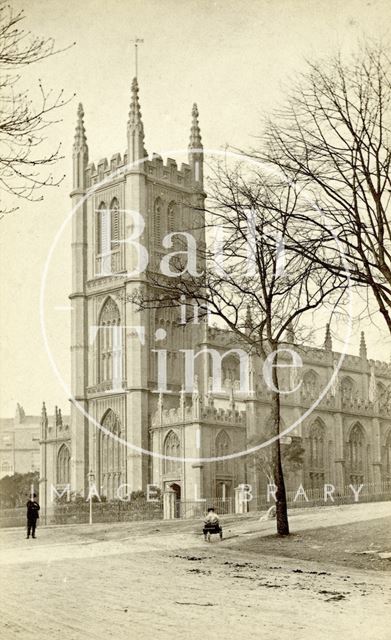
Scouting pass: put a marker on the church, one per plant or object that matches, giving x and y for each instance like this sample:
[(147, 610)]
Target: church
[(166, 437)]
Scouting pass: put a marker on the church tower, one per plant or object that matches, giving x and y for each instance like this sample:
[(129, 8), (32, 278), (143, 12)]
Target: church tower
[(132, 203)]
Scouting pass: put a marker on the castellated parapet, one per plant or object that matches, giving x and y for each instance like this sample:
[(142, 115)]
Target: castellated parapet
[(381, 368), (154, 168), (198, 411)]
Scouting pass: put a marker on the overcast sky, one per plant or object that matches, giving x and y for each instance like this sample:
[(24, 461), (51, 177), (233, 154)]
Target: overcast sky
[(234, 58)]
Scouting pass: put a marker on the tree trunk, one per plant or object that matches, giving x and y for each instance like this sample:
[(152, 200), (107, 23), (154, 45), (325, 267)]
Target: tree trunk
[(281, 505)]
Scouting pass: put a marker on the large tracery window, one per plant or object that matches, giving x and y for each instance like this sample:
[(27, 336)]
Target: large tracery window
[(63, 465), (111, 456), (110, 344), (310, 383), (347, 388), (172, 449), (382, 395), (317, 457), (231, 369), (356, 453), (223, 448)]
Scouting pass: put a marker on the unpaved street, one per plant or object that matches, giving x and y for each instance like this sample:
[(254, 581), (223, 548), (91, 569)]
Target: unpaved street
[(160, 580)]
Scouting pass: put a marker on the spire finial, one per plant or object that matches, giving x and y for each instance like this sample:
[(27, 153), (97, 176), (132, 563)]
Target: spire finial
[(195, 132), (248, 323), (19, 413), (328, 343), (58, 416), (136, 42), (44, 422), (135, 111), (80, 143), (135, 126), (290, 334), (363, 346), (44, 416)]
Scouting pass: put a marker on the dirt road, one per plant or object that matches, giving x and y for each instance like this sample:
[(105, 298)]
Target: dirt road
[(160, 580)]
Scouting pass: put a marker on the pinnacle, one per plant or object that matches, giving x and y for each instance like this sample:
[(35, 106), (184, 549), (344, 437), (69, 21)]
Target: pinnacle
[(195, 132), (363, 346), (248, 322), (135, 111), (135, 122), (43, 412), (290, 333), (328, 344), (80, 132)]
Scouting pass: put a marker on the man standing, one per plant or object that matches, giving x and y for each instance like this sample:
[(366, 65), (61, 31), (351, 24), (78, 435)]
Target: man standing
[(32, 515)]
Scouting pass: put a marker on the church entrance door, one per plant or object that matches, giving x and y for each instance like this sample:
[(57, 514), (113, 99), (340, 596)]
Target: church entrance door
[(177, 488)]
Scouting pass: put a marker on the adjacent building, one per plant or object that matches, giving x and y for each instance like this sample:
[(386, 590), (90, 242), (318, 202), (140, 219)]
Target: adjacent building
[(19, 442)]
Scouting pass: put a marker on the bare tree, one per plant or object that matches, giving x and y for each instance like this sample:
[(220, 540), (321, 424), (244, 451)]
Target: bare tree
[(24, 120), (292, 456), (333, 136), (255, 269)]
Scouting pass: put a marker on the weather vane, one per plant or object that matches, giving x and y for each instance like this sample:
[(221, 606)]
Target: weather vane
[(136, 42)]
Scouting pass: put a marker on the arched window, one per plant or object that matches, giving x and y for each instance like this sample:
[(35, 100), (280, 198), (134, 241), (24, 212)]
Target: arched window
[(111, 455), (164, 320), (63, 465), (356, 454), (382, 395), (157, 222), (317, 456), (110, 344), (172, 449), (231, 369), (347, 388), (310, 383), (223, 448), (115, 222)]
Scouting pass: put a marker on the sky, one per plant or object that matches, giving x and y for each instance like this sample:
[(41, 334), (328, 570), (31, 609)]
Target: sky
[(234, 58)]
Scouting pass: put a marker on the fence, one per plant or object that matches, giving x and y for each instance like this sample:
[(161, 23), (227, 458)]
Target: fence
[(116, 511), (141, 509), (13, 517), (198, 508), (317, 497), (78, 513)]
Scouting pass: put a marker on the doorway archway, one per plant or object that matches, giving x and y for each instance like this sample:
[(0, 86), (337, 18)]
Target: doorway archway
[(177, 488)]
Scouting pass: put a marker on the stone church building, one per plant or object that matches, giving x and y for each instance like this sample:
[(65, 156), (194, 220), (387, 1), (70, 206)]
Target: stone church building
[(115, 350)]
